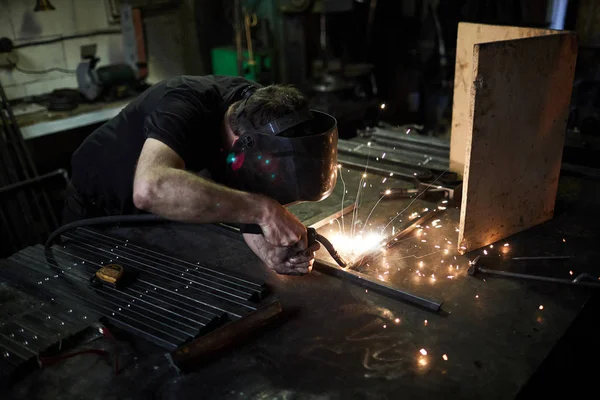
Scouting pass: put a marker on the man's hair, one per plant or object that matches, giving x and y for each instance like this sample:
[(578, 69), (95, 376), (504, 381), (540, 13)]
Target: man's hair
[(265, 105)]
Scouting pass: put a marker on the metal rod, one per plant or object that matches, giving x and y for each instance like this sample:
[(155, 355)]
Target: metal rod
[(323, 218), (98, 307), (30, 163), (542, 258), (113, 300), (123, 251), (155, 286), (538, 278), (163, 257), (150, 288), (110, 291), (380, 287), (33, 181), (167, 276)]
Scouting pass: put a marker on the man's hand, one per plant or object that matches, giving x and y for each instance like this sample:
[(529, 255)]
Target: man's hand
[(281, 228), (283, 260)]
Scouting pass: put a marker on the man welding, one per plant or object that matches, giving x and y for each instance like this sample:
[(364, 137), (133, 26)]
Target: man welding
[(260, 147)]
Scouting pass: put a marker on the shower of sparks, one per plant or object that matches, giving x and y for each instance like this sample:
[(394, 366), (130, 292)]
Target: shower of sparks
[(343, 230), (387, 192), (351, 247), (445, 357), (423, 351), (413, 200)]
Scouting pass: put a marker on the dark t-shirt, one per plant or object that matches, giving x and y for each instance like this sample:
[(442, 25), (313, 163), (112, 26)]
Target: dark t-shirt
[(185, 113)]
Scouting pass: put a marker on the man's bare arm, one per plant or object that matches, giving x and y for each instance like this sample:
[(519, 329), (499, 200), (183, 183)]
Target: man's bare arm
[(163, 187)]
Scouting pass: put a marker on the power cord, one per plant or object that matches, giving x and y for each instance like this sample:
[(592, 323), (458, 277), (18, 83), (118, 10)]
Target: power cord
[(14, 65)]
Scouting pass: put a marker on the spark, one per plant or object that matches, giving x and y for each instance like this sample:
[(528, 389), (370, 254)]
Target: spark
[(384, 179), (506, 244), (423, 351), (422, 361), (435, 222), (441, 208), (343, 226), (369, 144), (476, 296), (391, 174), (445, 202), (383, 155), (421, 264), (365, 184), (423, 240), (385, 326), (446, 251), (570, 272), (397, 320), (414, 199), (366, 290), (433, 277), (352, 246), (491, 246), (425, 323), (382, 106), (450, 276), (485, 252), (425, 209), (541, 307), (445, 357), (564, 240), (436, 246)]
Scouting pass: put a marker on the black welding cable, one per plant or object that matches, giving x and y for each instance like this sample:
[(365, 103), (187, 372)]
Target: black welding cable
[(111, 219)]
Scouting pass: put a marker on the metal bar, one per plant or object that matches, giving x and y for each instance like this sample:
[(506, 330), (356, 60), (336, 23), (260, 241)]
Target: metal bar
[(30, 163), (149, 313), (163, 257), (135, 295), (538, 278), (111, 308), (156, 287), (326, 216), (183, 283), (23, 166), (542, 258), (128, 323), (124, 251), (377, 286), (36, 180)]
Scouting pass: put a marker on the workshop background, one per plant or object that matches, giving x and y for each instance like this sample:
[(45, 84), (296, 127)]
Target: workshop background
[(385, 69)]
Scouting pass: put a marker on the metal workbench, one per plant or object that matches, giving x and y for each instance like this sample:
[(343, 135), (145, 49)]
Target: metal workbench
[(341, 341)]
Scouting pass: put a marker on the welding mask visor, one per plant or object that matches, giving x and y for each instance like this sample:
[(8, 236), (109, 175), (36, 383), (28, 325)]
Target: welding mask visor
[(288, 167)]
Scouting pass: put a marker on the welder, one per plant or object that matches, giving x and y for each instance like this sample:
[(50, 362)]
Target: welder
[(210, 149)]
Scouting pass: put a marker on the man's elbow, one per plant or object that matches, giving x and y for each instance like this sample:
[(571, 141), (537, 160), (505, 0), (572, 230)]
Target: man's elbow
[(144, 193)]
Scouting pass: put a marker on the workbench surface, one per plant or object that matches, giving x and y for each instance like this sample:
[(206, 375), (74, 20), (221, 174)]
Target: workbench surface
[(341, 341)]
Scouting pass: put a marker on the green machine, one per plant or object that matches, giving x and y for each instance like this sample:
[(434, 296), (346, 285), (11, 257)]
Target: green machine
[(224, 62)]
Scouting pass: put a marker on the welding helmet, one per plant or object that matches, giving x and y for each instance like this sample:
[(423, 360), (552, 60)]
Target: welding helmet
[(290, 159)]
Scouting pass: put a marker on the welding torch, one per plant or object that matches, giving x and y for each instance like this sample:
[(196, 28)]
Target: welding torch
[(312, 236)]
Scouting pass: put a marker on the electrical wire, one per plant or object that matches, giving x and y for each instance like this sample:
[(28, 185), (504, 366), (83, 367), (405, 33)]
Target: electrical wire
[(14, 64), (111, 219), (69, 37), (44, 71)]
